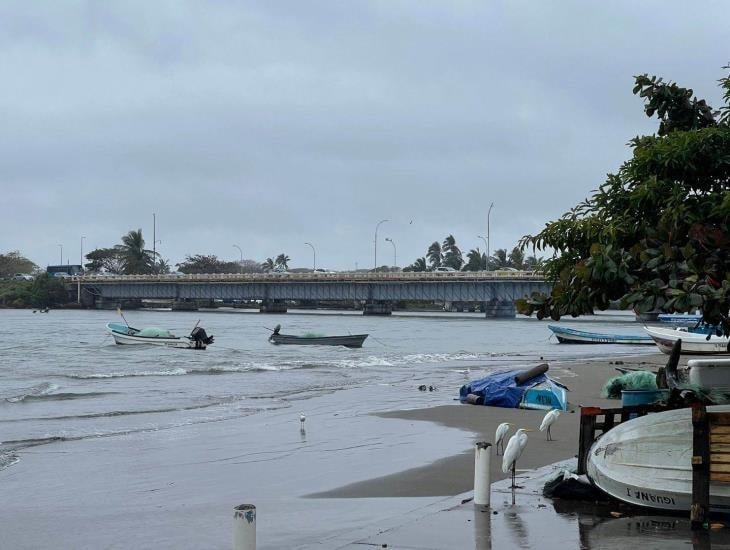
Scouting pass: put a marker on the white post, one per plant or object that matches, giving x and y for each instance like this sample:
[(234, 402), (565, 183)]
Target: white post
[(482, 476), (244, 527)]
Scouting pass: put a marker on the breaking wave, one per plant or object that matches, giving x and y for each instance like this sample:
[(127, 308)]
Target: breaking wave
[(37, 391)]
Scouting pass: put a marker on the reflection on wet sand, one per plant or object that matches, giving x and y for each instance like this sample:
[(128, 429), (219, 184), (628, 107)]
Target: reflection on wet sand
[(482, 528)]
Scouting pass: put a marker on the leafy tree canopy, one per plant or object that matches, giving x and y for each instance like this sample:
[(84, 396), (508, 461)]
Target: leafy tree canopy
[(14, 262), (201, 263), (655, 234)]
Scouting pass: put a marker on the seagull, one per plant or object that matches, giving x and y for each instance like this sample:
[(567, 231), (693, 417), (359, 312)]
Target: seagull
[(549, 420), (500, 435), (302, 418), (515, 446)]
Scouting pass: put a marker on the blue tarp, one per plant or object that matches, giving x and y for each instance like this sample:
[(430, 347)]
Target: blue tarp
[(501, 390)]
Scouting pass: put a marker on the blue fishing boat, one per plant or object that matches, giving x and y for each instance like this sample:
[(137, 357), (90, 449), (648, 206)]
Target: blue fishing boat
[(516, 389), (678, 318), (567, 335)]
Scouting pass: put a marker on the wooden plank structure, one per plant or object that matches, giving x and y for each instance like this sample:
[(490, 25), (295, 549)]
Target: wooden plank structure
[(595, 421), (710, 459)]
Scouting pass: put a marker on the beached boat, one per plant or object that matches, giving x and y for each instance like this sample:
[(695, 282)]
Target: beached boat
[(126, 335), (567, 335), (678, 318), (647, 462), (349, 341), (692, 342)]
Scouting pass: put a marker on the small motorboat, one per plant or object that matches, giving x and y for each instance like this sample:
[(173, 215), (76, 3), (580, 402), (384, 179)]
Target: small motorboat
[(349, 341), (692, 342), (647, 461), (678, 318), (126, 335), (567, 335)]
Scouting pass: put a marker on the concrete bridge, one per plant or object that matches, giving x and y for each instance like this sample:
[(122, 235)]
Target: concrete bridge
[(494, 292)]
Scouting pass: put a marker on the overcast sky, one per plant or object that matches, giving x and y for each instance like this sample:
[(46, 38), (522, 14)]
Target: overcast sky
[(268, 124)]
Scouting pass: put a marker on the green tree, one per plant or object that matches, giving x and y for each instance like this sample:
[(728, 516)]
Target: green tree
[(105, 259), (268, 265), (476, 260), (500, 259), (419, 265), (655, 234), (435, 255), (47, 291), (282, 261), (14, 262), (451, 253), (201, 263), (516, 258), (135, 258)]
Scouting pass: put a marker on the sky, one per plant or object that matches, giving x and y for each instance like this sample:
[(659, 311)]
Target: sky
[(274, 123)]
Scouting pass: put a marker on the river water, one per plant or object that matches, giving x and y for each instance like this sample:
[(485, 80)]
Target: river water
[(62, 378)]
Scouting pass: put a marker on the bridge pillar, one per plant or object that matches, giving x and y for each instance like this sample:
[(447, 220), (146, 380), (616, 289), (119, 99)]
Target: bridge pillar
[(500, 309), (184, 305), (272, 306), (377, 308)]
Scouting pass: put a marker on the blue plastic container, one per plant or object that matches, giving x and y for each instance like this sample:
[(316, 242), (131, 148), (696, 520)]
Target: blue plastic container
[(642, 397)]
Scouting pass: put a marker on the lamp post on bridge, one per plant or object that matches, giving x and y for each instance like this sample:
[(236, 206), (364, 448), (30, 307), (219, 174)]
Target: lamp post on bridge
[(61, 253), (395, 252), (375, 268), (486, 261), (314, 253), (82, 252), (488, 251), (240, 264)]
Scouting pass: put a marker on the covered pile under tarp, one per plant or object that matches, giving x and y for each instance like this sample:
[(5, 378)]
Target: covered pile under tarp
[(630, 381), (154, 332), (511, 390)]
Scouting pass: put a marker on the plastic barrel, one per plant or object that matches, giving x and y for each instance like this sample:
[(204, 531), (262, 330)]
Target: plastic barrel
[(642, 397)]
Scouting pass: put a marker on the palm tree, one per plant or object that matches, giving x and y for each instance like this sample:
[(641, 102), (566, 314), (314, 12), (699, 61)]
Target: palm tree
[(434, 255), (135, 258), (282, 260), (268, 265), (477, 261), (534, 263), (452, 253), (499, 260), (418, 265), (517, 258)]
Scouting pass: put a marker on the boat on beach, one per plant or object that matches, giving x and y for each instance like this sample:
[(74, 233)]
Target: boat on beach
[(126, 335), (692, 342), (567, 335), (678, 318), (647, 462), (349, 341)]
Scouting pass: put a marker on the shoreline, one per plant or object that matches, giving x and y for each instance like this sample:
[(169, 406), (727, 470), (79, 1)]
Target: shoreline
[(453, 475)]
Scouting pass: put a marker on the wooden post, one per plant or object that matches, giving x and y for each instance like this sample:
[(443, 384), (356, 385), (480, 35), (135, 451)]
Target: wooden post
[(586, 435), (700, 467)]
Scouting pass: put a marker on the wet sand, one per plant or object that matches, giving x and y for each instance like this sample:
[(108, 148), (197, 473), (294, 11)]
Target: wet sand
[(454, 474)]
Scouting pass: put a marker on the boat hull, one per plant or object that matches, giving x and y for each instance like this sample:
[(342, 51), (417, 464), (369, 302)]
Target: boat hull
[(572, 336), (647, 462), (124, 335), (349, 341), (692, 343)]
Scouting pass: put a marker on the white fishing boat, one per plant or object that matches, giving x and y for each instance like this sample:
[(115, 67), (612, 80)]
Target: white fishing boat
[(126, 335), (647, 462), (566, 335), (692, 343)]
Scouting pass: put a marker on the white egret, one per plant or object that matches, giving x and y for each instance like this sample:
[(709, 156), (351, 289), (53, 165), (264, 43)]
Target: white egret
[(515, 446), (501, 435), (302, 418), (549, 420)]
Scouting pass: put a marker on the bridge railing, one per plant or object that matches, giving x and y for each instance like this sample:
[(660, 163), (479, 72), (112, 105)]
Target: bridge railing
[(316, 277)]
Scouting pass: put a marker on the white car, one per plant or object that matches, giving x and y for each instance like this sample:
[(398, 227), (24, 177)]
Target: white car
[(22, 277), (444, 269)]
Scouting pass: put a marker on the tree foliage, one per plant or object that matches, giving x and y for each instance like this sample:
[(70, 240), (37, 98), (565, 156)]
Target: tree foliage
[(14, 262), (202, 263), (655, 234)]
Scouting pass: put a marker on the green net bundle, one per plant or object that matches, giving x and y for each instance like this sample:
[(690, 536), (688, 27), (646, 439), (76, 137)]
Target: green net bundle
[(631, 381)]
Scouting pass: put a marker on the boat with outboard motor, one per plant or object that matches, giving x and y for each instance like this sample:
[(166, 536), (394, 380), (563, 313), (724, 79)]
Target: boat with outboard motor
[(349, 341), (692, 342), (126, 335)]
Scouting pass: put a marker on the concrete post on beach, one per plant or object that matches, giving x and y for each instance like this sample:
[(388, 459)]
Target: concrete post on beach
[(482, 476), (244, 527)]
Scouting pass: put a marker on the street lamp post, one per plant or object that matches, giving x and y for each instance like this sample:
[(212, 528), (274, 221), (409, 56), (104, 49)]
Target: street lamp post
[(395, 252), (314, 254), (376, 243), (61, 253), (488, 250), (486, 261), (82, 252), (241, 253)]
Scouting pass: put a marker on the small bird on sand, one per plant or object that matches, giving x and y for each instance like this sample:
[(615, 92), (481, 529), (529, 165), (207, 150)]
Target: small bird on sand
[(302, 418), (500, 436), (515, 446), (549, 420)]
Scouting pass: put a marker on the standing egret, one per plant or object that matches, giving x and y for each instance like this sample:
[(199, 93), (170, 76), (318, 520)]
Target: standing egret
[(515, 446), (500, 436), (302, 418), (548, 421)]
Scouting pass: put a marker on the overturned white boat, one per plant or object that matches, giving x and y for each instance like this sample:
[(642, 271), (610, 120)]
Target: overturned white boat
[(692, 343), (647, 462), (126, 335)]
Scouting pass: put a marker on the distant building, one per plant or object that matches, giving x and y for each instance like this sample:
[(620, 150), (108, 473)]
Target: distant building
[(67, 269)]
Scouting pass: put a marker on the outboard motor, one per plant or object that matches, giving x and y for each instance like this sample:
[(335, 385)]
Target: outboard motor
[(200, 338)]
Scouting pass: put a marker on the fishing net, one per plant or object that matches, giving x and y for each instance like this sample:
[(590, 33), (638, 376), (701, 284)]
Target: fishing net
[(312, 335), (631, 381), (154, 332)]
